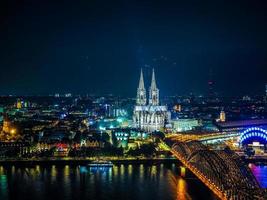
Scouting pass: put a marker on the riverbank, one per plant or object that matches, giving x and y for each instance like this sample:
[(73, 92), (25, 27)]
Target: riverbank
[(83, 161)]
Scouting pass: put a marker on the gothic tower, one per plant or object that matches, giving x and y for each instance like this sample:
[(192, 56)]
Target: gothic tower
[(149, 116), (153, 91), (141, 92)]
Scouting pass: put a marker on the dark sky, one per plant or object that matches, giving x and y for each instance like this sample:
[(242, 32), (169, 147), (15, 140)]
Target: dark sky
[(100, 46)]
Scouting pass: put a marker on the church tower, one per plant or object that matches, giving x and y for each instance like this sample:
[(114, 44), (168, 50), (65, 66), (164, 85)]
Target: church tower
[(149, 116), (153, 91), (141, 92)]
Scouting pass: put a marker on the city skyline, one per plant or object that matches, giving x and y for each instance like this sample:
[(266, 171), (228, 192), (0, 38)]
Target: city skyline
[(133, 100), (93, 48)]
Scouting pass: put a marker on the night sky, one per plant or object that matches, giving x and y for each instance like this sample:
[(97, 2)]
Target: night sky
[(99, 46)]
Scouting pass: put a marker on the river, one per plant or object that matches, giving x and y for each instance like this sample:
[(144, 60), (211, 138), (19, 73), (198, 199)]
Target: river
[(122, 182), (260, 172)]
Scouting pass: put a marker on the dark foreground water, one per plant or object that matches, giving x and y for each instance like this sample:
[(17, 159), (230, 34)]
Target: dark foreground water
[(122, 182)]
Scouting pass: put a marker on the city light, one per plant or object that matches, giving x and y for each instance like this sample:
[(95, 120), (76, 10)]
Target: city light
[(13, 131), (133, 100)]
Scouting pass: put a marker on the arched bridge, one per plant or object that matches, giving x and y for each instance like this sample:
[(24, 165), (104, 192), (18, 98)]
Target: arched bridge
[(223, 171), (253, 133)]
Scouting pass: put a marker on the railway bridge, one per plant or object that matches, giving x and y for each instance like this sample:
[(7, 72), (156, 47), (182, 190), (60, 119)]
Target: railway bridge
[(222, 171)]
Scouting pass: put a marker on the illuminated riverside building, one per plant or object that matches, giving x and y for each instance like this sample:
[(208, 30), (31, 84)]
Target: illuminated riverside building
[(149, 115)]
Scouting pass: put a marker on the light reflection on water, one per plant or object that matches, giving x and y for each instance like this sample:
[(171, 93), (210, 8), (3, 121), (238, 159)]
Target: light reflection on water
[(122, 182), (260, 172), (3, 184), (181, 189)]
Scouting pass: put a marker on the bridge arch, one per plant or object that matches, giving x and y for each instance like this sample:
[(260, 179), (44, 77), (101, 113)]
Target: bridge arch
[(223, 171), (253, 133)]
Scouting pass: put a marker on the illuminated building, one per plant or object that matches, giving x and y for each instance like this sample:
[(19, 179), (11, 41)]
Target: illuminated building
[(151, 116), (1, 113), (181, 125), (222, 116), (246, 98), (61, 150), (19, 104), (6, 125), (127, 137), (177, 108), (93, 143), (119, 112), (9, 131), (68, 95), (112, 123)]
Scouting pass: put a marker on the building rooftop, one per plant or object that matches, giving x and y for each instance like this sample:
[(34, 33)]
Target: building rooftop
[(241, 123)]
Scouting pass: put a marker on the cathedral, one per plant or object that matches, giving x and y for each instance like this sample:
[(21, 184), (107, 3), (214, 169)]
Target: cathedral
[(149, 115)]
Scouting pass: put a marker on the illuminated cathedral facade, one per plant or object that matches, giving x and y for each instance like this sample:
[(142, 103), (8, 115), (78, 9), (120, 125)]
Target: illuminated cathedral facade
[(149, 115)]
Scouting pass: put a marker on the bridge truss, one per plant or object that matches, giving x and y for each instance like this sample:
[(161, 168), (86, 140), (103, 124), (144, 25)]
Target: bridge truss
[(223, 171)]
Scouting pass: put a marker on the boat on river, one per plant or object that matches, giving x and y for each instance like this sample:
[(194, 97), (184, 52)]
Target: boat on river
[(100, 163)]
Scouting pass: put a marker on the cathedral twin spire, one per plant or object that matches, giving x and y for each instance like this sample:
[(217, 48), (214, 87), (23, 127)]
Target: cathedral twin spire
[(141, 81), (153, 81), (153, 91), (141, 91)]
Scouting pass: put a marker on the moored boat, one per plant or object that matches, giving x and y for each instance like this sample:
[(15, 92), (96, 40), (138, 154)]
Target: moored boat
[(100, 163)]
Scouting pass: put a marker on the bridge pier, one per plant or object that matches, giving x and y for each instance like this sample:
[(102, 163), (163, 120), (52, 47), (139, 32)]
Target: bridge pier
[(182, 171)]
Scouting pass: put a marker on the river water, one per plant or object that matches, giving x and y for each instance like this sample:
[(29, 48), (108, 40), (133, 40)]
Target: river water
[(260, 172), (122, 182)]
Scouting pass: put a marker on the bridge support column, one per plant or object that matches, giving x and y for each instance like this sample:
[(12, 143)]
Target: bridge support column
[(182, 171)]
